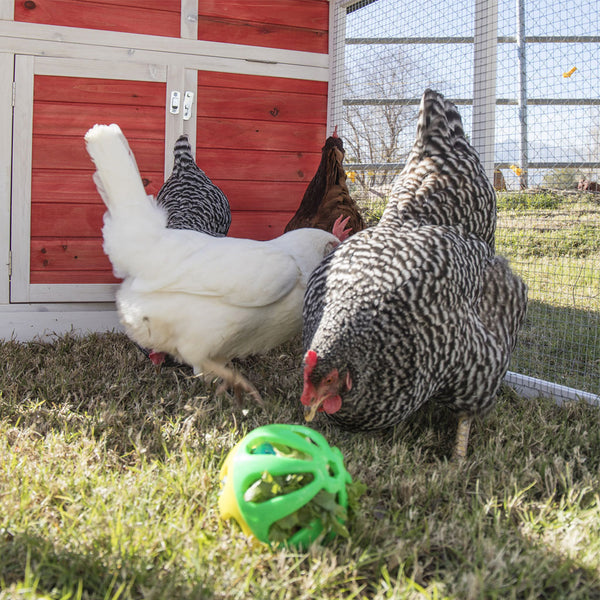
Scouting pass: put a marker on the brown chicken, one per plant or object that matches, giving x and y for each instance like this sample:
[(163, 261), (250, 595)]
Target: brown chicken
[(327, 196)]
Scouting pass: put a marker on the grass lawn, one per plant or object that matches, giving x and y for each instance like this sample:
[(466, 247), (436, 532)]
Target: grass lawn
[(553, 242), (109, 482)]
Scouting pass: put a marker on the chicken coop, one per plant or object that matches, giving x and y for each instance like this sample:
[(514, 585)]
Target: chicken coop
[(257, 86), (246, 80)]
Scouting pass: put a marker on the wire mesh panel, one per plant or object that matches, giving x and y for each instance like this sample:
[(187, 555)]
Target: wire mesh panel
[(524, 76)]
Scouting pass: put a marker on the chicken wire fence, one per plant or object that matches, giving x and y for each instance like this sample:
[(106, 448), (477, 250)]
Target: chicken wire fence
[(523, 74)]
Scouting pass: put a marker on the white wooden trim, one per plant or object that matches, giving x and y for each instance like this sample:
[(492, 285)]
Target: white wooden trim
[(72, 292), (76, 67), (115, 46), (202, 63), (532, 387), (6, 81), (189, 19), (45, 322), (337, 34), (7, 10), (484, 82), (190, 127), (21, 179), (173, 123)]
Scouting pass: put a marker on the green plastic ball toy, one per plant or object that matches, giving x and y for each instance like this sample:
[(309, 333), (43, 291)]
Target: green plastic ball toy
[(281, 450)]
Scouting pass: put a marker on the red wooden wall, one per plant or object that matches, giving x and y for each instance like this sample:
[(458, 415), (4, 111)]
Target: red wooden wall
[(290, 24), (152, 17), (259, 138), (66, 210)]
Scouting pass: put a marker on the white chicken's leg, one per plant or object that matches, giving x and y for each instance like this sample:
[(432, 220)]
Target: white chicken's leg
[(234, 380), (462, 437)]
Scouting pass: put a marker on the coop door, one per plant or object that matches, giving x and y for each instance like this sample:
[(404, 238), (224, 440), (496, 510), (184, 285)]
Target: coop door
[(56, 237)]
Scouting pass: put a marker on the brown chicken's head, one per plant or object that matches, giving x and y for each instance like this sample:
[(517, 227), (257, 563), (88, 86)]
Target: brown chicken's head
[(326, 394)]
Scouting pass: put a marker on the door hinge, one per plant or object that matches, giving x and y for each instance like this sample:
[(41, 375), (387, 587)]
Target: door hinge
[(9, 264)]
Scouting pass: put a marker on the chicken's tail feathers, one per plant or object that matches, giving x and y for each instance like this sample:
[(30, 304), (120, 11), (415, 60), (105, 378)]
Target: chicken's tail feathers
[(117, 176), (439, 127), (182, 154), (133, 219)]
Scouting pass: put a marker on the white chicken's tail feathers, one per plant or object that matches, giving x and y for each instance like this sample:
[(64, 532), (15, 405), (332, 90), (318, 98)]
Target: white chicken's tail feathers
[(133, 220), (117, 176)]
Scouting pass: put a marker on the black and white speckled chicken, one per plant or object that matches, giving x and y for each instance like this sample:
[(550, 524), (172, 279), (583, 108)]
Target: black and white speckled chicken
[(191, 199), (418, 307)]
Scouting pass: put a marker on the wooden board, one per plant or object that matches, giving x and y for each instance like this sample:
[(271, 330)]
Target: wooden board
[(259, 225), (260, 140), (154, 17), (66, 209), (290, 24)]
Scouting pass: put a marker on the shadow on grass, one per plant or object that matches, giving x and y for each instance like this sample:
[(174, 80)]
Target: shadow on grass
[(491, 527), (32, 562)]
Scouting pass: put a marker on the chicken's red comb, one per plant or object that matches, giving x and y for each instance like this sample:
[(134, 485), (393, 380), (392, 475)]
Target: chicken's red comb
[(334, 134), (311, 359)]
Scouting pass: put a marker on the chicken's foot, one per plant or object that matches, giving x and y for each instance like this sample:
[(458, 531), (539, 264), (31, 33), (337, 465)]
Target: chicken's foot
[(235, 380), (462, 437)]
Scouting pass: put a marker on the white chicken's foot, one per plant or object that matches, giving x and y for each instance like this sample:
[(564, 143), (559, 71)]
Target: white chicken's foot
[(462, 437), (234, 380)]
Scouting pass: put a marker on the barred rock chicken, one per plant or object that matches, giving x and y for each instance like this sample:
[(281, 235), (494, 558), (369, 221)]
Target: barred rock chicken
[(418, 307), (191, 201), (327, 196), (200, 298)]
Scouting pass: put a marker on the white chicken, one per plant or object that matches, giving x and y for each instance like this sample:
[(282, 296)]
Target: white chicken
[(202, 299)]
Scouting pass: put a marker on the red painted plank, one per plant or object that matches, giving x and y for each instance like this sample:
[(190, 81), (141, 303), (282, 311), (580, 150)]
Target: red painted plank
[(62, 185), (265, 105), (141, 122), (51, 152), (259, 82), (55, 153), (215, 29), (256, 165), (257, 135), (103, 15), (75, 90), (80, 277), (68, 254), (258, 225), (312, 14), (66, 220), (77, 187), (263, 195)]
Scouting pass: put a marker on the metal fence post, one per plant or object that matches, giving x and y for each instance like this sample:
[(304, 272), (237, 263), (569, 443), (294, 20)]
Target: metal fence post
[(524, 151), (484, 81)]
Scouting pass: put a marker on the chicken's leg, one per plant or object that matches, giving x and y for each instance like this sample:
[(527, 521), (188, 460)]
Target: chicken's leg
[(462, 437), (234, 380)]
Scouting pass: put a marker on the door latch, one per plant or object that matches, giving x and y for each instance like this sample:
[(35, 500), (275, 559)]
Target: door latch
[(188, 101), (175, 102)]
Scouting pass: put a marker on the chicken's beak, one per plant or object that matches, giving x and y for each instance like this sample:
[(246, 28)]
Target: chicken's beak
[(310, 411)]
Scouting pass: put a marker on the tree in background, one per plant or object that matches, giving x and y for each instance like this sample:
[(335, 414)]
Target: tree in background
[(380, 129)]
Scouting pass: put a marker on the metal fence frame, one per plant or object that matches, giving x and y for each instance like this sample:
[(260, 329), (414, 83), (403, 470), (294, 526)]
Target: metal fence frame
[(485, 44)]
